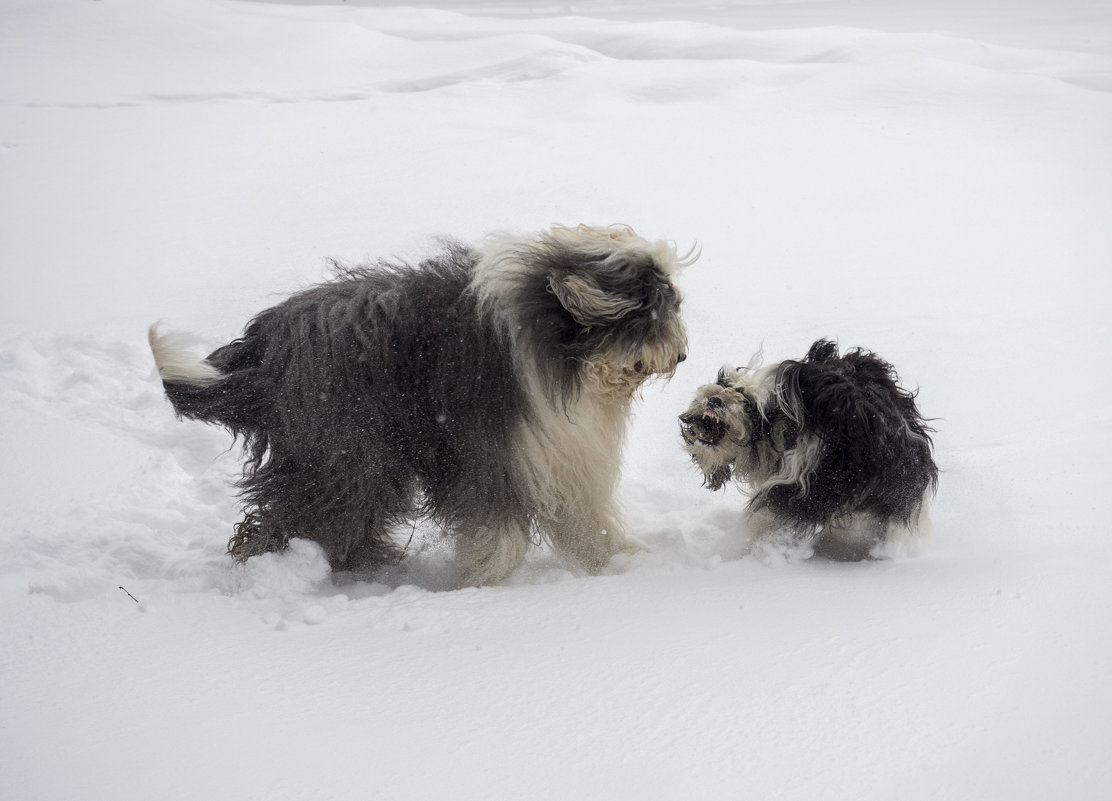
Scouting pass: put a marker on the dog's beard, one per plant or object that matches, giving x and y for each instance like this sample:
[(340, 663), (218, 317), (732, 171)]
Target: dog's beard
[(617, 371), (607, 380)]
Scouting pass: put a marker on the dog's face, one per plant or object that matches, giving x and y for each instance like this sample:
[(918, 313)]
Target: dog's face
[(595, 307), (717, 428), (626, 315)]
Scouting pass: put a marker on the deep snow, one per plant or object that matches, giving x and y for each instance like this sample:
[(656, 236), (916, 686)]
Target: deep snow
[(930, 180)]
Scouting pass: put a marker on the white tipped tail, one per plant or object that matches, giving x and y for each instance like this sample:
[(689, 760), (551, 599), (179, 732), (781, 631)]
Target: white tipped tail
[(176, 364)]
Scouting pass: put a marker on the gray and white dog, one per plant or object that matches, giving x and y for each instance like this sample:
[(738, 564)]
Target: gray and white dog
[(487, 388), (834, 453)]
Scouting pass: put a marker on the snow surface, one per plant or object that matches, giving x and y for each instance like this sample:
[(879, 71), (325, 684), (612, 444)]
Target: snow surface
[(932, 180)]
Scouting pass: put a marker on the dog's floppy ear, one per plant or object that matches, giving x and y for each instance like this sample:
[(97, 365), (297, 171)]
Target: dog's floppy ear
[(587, 302)]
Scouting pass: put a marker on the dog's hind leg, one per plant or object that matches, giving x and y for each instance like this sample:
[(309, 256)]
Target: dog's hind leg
[(366, 541), (353, 539), (326, 498), (254, 536)]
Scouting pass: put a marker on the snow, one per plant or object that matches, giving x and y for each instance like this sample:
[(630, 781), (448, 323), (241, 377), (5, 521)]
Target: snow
[(928, 179)]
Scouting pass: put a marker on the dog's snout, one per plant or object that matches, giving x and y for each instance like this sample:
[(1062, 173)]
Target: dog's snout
[(715, 402), (681, 358)]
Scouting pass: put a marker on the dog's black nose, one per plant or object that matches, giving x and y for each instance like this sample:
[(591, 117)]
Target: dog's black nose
[(681, 358), (715, 402)]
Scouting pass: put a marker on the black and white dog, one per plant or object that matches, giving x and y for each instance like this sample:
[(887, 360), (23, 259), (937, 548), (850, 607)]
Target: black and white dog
[(487, 388), (835, 454)]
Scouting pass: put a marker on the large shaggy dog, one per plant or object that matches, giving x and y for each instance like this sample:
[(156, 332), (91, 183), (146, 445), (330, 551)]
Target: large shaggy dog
[(487, 388), (835, 454)]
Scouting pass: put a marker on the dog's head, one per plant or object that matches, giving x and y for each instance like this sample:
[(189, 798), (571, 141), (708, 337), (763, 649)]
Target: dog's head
[(597, 305), (718, 426)]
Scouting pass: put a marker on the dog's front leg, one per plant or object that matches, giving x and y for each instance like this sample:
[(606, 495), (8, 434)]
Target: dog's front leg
[(589, 534), (490, 551)]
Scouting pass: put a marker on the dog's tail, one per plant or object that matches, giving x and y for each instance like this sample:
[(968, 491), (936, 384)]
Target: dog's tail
[(176, 365), (201, 390)]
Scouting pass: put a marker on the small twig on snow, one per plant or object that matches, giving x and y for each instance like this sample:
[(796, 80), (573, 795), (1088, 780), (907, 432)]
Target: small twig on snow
[(129, 595)]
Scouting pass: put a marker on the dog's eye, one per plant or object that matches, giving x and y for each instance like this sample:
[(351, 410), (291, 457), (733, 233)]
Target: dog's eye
[(664, 285), (671, 292)]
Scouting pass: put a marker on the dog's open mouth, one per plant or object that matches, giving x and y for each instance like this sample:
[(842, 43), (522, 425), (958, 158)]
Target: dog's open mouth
[(705, 427)]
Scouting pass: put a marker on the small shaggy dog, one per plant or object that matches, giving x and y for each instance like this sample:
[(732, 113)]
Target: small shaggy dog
[(487, 388), (835, 454)]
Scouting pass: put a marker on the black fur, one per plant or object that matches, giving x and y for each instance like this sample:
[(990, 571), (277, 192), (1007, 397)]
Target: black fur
[(876, 447), (825, 443)]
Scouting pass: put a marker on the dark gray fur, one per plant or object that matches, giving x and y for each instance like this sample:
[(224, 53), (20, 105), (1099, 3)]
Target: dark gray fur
[(351, 396), (393, 392)]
